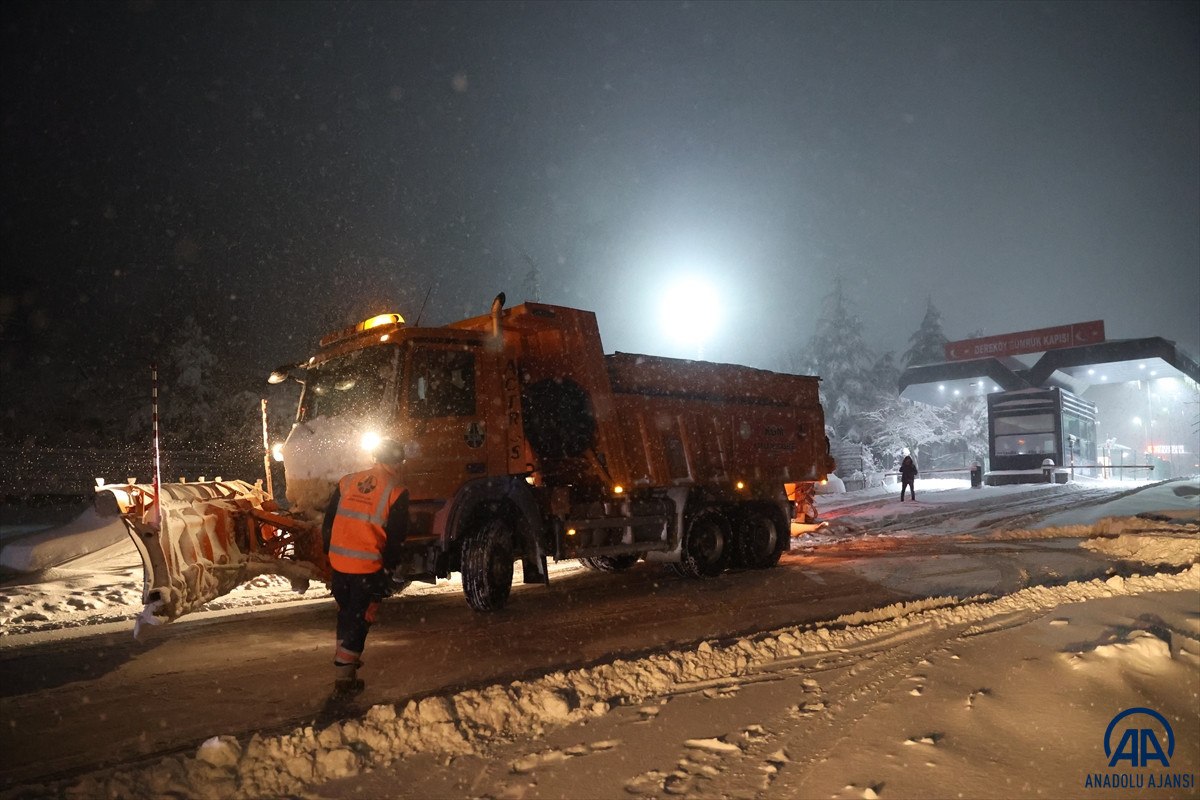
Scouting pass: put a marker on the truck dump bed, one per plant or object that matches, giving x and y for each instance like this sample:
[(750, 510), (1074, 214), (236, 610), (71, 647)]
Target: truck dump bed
[(694, 422)]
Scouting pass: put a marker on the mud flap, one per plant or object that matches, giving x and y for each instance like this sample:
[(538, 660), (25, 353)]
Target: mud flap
[(533, 558), (206, 541)]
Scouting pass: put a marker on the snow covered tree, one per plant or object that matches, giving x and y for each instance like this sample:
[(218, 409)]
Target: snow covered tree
[(190, 406), (904, 425), (967, 425), (200, 405), (533, 278), (838, 353), (928, 344)]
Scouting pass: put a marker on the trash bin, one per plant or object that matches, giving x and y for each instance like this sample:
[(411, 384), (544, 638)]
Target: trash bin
[(1048, 469), (976, 476)]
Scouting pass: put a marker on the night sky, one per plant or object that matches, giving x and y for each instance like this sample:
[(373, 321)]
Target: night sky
[(281, 169)]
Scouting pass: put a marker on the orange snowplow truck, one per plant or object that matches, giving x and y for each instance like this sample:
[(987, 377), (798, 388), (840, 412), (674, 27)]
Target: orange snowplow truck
[(522, 440)]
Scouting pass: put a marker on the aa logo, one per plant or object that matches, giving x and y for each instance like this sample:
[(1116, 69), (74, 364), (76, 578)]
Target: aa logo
[(367, 484), (1136, 732)]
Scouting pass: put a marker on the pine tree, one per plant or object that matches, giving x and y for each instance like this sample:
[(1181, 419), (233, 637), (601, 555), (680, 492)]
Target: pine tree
[(190, 411), (838, 353), (928, 344)]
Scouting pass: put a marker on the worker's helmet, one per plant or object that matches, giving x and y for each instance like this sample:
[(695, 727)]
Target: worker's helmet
[(389, 451)]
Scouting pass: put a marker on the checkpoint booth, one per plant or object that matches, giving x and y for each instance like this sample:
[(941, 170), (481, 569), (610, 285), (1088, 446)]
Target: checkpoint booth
[(1040, 429)]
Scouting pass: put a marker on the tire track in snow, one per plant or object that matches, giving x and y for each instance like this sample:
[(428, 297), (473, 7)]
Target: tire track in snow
[(887, 647), (1008, 512)]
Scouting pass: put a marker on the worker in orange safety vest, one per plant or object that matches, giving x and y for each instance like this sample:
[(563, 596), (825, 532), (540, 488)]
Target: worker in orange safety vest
[(365, 524)]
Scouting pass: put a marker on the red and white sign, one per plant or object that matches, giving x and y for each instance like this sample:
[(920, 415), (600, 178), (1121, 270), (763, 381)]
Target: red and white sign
[(1011, 344)]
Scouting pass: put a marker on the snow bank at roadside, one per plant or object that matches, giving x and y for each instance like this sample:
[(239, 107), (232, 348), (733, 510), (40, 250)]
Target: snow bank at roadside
[(1177, 549), (468, 721), (88, 533)]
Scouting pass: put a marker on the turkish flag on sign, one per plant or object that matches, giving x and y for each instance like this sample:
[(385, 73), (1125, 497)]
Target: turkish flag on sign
[(1088, 332)]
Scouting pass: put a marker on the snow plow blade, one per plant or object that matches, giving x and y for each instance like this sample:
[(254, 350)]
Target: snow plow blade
[(210, 537)]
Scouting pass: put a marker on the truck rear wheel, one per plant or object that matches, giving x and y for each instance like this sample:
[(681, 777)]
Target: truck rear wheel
[(704, 546), (760, 541), (487, 566), (610, 563)]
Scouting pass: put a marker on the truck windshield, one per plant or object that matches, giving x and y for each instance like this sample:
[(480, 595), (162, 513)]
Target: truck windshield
[(360, 383)]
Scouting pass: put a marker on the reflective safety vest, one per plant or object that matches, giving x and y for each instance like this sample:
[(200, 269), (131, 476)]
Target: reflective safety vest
[(358, 538)]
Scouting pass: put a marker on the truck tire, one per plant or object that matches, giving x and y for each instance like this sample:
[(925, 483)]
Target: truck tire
[(487, 566), (610, 563), (705, 546), (760, 540)]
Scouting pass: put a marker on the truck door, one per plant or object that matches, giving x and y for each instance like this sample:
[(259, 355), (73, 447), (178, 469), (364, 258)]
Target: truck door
[(444, 406)]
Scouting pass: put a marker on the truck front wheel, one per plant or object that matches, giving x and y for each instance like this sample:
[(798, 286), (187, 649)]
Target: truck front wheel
[(487, 566)]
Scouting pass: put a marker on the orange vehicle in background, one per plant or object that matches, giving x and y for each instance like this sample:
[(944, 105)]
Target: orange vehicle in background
[(524, 441)]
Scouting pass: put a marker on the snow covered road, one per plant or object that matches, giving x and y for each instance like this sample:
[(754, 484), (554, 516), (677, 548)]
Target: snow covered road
[(815, 692)]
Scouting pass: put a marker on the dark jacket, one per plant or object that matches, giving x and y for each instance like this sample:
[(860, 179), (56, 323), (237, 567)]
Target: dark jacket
[(908, 470)]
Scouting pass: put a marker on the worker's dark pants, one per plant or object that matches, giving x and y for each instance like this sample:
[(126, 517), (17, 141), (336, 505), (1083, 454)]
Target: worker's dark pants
[(912, 493), (358, 598)]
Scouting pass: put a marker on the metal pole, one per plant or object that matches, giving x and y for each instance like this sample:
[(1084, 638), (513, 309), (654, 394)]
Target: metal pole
[(1149, 422), (267, 451), (160, 518)]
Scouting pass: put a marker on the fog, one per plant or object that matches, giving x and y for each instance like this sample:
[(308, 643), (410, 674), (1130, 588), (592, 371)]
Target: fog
[(279, 170)]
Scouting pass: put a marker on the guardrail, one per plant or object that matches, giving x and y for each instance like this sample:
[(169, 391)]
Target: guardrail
[(1071, 467), (937, 471)]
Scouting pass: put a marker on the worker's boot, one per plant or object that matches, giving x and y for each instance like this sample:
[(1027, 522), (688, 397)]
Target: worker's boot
[(346, 683)]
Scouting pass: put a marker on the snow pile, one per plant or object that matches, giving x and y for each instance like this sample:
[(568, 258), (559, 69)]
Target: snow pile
[(76, 597), (89, 532), (1138, 650), (1178, 547), (469, 721)]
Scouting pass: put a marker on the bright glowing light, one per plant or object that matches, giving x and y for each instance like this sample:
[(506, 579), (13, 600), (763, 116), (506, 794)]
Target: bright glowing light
[(690, 310), (380, 319), (1137, 420), (618, 489), (740, 486), (941, 388), (371, 440), (277, 451)]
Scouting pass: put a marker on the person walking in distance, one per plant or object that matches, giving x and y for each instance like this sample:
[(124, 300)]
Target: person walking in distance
[(365, 524), (908, 474)]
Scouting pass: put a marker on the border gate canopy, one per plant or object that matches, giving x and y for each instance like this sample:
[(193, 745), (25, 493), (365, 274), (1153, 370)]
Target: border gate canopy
[(1072, 368)]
